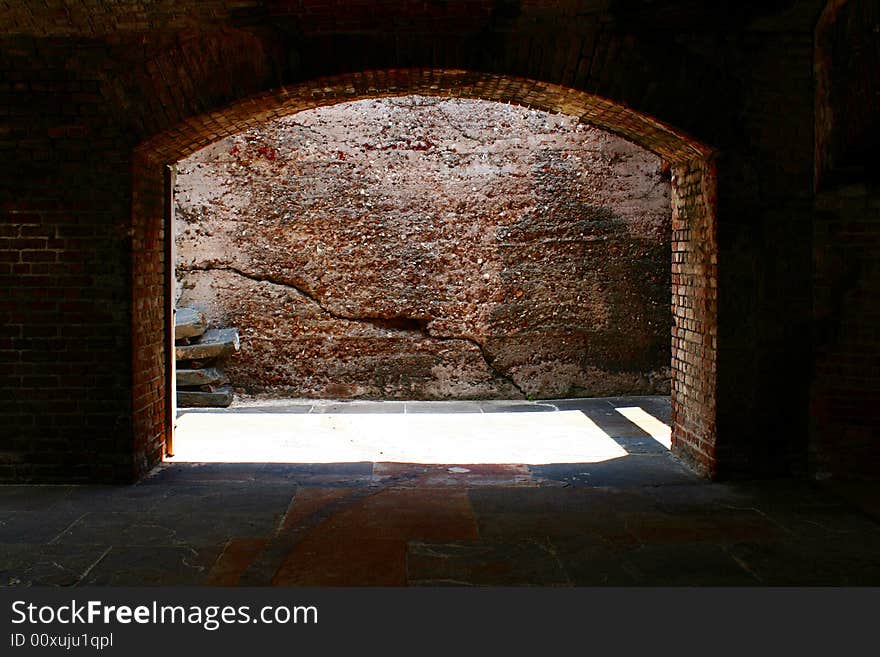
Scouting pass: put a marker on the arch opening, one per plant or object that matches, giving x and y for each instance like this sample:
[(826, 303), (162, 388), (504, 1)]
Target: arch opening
[(693, 232)]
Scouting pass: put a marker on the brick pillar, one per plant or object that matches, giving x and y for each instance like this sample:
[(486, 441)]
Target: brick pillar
[(148, 314), (694, 314)]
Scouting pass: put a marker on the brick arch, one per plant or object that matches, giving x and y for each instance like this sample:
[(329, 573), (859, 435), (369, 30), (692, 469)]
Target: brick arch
[(694, 259), (193, 134)]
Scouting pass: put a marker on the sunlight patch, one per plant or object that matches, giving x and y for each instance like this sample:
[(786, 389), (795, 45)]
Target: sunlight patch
[(467, 438), (660, 432)]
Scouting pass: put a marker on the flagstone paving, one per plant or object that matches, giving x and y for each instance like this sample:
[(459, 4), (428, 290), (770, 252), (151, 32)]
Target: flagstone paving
[(640, 520)]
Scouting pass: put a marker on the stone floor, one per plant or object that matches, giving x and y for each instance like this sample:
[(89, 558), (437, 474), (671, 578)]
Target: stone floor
[(640, 520)]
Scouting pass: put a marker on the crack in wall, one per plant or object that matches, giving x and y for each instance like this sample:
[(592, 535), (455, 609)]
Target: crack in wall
[(490, 362), (402, 324)]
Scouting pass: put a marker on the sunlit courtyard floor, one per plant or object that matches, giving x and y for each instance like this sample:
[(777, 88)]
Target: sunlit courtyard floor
[(397, 436), (296, 493)]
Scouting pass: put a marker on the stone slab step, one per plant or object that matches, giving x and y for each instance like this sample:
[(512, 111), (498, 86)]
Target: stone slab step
[(201, 377), (218, 398), (213, 344), (188, 323)]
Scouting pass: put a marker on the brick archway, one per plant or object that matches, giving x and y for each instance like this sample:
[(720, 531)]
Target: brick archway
[(694, 234)]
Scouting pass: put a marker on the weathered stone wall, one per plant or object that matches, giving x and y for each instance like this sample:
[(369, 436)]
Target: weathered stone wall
[(420, 247)]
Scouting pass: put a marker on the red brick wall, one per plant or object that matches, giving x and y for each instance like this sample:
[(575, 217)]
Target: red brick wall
[(64, 360), (846, 390), (764, 258), (79, 91), (845, 393)]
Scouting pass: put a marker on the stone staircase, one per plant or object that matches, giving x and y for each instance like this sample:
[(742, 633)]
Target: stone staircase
[(197, 349)]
